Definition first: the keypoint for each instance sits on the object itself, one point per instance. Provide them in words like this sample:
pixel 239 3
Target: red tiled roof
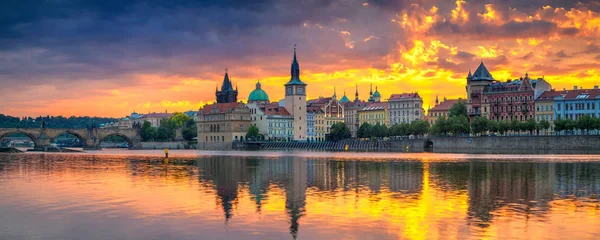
pixel 404 96
pixel 319 102
pixel 444 106
pixel 549 95
pixel 223 107
pixel 313 109
pixel 570 94
pixel 274 109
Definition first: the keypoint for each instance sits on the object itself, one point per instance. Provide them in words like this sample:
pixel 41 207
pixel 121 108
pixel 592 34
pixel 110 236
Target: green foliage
pixel 340 131
pixel 179 119
pixel 364 131
pixel 148 132
pixel 380 130
pixel 402 129
pixel 189 130
pixel 458 109
pixel 166 130
pixel 53 121
pixel 459 124
pixel 253 132
pixel 480 125
pixel 543 125
pixel 441 126
pixel 419 127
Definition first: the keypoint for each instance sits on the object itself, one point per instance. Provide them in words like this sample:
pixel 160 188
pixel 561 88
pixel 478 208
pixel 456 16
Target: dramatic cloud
pixel 112 57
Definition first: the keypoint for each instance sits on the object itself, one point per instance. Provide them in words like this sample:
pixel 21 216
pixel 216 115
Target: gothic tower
pixel 227 94
pixel 295 100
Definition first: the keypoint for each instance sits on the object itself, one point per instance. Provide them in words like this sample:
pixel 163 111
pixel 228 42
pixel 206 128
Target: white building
pixel 405 108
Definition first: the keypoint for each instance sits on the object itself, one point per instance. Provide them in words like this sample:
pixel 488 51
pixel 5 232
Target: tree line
pixel 53 121
pixel 167 130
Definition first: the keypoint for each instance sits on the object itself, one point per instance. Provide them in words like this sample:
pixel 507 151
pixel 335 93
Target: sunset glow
pixel 157 58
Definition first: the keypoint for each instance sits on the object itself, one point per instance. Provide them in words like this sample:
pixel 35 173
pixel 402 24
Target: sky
pixel 112 57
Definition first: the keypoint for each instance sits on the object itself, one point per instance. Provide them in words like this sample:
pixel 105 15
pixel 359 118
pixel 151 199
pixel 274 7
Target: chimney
pixel 595 87
pixel 574 87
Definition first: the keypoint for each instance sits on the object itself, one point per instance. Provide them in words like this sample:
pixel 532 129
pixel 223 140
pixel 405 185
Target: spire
pixel 437 101
pixel 356 94
pixel 295 72
pixel 334 94
pixel 227 86
pixel 371 90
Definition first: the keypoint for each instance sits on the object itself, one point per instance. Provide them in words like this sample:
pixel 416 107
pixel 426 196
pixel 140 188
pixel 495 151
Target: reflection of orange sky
pixel 169 194
pixel 421 61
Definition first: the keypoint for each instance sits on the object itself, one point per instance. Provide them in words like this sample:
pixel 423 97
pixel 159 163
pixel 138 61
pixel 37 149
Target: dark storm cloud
pixel 527 56
pixel 562 54
pixel 78 40
pixel 462 55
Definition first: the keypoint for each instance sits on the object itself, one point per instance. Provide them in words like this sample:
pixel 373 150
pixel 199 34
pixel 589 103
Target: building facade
pixel 544 109
pixel 374 113
pixel 405 108
pixel 280 123
pixel 227 94
pixel 476 83
pixel 313 117
pixel 154 118
pixel 295 101
pixel 507 101
pixel 220 124
pixel 573 104
pixel 441 109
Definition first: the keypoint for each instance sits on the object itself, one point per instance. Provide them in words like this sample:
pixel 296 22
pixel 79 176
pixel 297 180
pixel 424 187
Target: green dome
pixel 258 94
pixel 376 94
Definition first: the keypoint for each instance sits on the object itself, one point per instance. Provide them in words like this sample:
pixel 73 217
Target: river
pixel 122 194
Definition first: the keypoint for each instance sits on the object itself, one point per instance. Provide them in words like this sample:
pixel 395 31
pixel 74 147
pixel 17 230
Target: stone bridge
pixel 90 137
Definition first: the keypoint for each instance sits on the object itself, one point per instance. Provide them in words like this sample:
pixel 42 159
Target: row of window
pixel 577 106
pixel 506 118
pixel 404 113
pixel 372 116
pixel 577 115
pixel 510 99
pixel 215 139
pixel 403 105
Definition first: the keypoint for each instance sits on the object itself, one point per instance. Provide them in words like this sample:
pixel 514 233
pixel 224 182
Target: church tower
pixel 295 101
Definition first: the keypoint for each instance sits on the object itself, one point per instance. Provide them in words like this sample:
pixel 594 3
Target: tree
pixel 253 132
pixel 530 125
pixel 189 130
pixel 441 126
pixel 458 109
pixel 503 127
pixel 515 125
pixel 459 124
pixel 479 125
pixel 365 131
pixel 148 132
pixel 339 131
pixel 179 119
pixel 585 123
pixel 419 127
pixel 379 130
pixel 544 125
pixel 166 130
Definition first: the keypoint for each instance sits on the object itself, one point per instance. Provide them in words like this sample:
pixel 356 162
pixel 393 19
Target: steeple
pixel 371 90
pixel 227 86
pixel 295 72
pixel 334 94
pixel 356 94
pixel 437 101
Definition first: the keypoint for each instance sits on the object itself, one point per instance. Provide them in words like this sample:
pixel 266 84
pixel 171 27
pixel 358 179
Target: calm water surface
pixel 273 195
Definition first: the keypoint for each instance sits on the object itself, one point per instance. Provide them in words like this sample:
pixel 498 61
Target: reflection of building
pixel 220 124
pixel 374 113
pixel 295 101
pixel 405 108
pixel 295 192
pixel 227 94
pixel 441 109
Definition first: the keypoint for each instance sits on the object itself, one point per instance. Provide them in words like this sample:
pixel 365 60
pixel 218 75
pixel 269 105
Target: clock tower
pixel 295 101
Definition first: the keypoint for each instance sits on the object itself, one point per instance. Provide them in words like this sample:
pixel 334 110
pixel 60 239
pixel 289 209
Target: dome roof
pixel 258 94
pixel 376 93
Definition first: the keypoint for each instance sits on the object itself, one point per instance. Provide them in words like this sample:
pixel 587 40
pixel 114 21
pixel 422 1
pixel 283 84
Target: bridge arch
pixel 82 139
pixel 18 131
pixel 128 139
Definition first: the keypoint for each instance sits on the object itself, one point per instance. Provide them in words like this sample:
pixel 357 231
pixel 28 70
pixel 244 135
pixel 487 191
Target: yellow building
pixel 320 126
pixel 544 109
pixel 374 113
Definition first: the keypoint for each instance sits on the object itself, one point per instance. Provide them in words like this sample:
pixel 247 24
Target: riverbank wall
pixel 167 145
pixel 514 143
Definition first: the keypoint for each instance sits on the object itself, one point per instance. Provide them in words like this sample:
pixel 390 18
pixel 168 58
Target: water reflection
pixel 274 197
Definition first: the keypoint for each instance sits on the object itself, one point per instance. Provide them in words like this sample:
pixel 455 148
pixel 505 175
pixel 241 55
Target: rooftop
pixel 444 106
pixel 375 106
pixel 221 107
pixel 156 115
pixel 404 96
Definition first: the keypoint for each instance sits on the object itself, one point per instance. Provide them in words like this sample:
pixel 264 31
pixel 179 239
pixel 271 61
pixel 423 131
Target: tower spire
pixel 437 101
pixel 371 90
pixel 334 94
